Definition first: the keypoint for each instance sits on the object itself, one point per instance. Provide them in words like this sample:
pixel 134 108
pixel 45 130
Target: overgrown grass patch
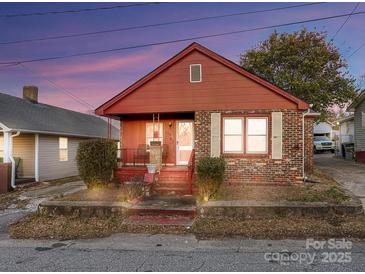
pixel 111 193
pixel 41 227
pixel 324 190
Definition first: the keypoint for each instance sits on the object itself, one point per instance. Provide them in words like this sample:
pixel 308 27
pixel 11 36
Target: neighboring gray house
pixel 42 139
pixel 346 134
pixel 358 108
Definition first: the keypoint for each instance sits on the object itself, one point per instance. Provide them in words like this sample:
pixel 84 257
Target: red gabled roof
pixel 192 47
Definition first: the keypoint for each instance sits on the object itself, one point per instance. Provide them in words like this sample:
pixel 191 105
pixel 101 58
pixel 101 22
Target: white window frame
pixel 160 138
pixel 242 135
pixel 190 74
pixel 267 136
pixel 60 149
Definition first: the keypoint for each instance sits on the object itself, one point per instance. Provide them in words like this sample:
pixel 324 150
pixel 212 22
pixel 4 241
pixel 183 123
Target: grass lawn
pixel 39 227
pixel 110 192
pixel 326 190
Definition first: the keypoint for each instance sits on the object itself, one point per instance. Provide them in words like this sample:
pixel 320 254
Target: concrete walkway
pixel 33 198
pixel 348 173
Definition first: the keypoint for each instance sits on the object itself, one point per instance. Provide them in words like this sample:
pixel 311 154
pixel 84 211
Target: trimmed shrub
pixel 210 171
pixel 96 160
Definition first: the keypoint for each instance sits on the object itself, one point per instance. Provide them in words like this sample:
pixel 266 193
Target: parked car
pixel 323 143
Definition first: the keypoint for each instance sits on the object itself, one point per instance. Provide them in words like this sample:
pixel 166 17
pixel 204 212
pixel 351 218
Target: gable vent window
pixel 195 73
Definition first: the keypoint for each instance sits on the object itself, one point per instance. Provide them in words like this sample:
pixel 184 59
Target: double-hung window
pixel 63 149
pixel 256 141
pixel 154 132
pixel 245 135
pixel 233 135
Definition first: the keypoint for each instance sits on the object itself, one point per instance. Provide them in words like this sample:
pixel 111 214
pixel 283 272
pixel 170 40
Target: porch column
pixel 36 157
pixel 7 147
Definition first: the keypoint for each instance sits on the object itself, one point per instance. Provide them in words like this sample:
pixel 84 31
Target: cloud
pixel 102 64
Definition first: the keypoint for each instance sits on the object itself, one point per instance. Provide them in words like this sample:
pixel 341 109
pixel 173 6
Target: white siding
pixel 50 167
pixel 359 130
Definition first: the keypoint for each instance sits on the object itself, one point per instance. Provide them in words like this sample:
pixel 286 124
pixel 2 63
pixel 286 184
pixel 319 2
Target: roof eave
pixel 57 133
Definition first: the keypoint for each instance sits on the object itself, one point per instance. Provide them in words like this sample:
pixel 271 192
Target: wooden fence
pixel 5 177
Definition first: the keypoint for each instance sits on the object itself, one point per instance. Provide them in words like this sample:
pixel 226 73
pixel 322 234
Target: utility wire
pixel 74 10
pixel 154 25
pixel 176 41
pixel 73 96
pixel 344 23
pixel 356 50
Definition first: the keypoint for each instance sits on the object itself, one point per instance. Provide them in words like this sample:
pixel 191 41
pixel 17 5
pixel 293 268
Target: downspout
pixel 303 143
pixel 12 159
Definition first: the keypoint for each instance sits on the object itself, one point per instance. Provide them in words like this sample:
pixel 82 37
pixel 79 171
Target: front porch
pixel 163 139
pixel 20 149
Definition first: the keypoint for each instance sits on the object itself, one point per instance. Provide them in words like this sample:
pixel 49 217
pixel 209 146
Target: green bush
pixel 96 160
pixel 210 171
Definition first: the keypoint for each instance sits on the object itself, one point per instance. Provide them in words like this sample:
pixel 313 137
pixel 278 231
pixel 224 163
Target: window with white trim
pixel 253 141
pixel 233 135
pixel 256 141
pixel 63 149
pixel 195 73
pixel 154 132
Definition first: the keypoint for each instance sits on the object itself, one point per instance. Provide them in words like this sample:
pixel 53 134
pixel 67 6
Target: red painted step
pixel 163 209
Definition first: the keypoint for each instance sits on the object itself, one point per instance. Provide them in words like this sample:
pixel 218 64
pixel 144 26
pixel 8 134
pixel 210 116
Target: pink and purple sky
pixel 97 78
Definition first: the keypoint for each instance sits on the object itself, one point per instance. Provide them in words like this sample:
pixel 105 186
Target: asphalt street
pixel 131 252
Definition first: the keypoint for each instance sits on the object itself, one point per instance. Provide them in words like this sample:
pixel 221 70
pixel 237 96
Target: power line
pixel 74 10
pixel 356 50
pixel 154 25
pixel 176 41
pixel 75 97
pixel 344 23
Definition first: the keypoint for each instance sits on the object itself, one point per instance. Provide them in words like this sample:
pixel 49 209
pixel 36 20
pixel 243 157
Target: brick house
pixel 200 104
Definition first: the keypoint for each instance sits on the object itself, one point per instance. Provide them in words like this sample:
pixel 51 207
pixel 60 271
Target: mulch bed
pixel 40 227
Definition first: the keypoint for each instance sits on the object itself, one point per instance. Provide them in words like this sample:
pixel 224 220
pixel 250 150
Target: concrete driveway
pixel 348 173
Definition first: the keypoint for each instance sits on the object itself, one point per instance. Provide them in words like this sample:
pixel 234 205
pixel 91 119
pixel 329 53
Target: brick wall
pixel 308 142
pixel 260 169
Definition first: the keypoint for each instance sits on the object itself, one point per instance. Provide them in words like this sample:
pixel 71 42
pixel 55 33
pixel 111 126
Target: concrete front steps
pixel 172 181
pixel 163 210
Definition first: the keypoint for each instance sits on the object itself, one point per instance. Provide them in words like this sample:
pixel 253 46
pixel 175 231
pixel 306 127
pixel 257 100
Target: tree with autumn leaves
pixel 306 65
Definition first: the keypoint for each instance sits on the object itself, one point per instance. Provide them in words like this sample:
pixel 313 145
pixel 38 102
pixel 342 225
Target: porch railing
pixel 133 157
pixel 191 169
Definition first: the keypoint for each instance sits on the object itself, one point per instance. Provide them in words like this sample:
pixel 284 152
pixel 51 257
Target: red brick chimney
pixel 30 93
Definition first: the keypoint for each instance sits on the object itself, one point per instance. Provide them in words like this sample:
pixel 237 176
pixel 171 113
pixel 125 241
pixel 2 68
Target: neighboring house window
pixel 363 119
pixel 195 73
pixel 63 149
pixel 254 142
pixel 154 132
pixel 233 135
pixel 256 135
